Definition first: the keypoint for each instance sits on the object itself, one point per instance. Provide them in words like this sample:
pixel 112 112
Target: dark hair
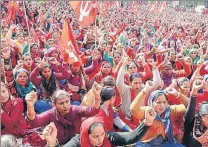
pixel 58 93
pixel 181 80
pixel 106 62
pixel 21 33
pixel 92 127
pixel 51 84
pixel 8 141
pixel 116 52
pixel 134 75
pixel 26 54
pixel 107 93
pixel 109 81
pixel 159 94
pixel 127 66
pixel 33 44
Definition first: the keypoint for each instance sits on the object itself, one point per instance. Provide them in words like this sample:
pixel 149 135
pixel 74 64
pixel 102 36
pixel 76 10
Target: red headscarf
pixel 84 139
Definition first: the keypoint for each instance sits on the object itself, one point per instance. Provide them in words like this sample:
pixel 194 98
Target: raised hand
pixel 171 91
pixel 31 98
pixel 148 86
pixel 94 55
pixel 150 116
pixel 125 60
pixel 54 61
pixel 5 52
pixel 198 84
pixel 97 90
pixel 43 63
pixel 50 134
pixel 167 59
pixel 19 64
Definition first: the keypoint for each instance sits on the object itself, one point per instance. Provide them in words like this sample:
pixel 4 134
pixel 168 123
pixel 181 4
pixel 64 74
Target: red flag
pixel 163 6
pixel 13 6
pixel 68 46
pixel 154 6
pixel 85 12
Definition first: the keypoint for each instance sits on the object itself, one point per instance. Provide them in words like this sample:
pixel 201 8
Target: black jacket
pixel 188 139
pixel 116 138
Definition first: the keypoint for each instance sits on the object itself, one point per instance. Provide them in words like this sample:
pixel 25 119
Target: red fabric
pixel 186 73
pixel 108 120
pixel 203 71
pixel 158 59
pixel 68 51
pixel 79 37
pixel 84 58
pixel 200 98
pixel 33 139
pixel 88 14
pixel 91 75
pixel 99 76
pixel 133 95
pixel 13 6
pixel 84 136
pixel 12 118
pixel 130 52
pixel 118 98
pixel 173 101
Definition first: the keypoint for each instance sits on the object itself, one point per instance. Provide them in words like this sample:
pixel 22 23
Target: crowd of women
pixel 142 80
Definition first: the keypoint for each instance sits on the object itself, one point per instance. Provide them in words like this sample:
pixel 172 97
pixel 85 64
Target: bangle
pixel 178 95
pixel 56 145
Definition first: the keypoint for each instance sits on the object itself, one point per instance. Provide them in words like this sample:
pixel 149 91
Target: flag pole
pixel 96 31
pixel 26 18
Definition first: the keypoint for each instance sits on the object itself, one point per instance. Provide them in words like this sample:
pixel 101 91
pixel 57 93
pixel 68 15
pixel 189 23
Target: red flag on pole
pixel 68 46
pixel 13 6
pixel 85 12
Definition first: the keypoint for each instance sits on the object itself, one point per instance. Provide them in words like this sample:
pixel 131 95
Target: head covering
pixel 76 64
pixel 165 77
pixel 167 119
pixel 28 87
pixel 107 93
pixel 54 50
pixel 84 136
pixel 105 62
pixel 197 58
